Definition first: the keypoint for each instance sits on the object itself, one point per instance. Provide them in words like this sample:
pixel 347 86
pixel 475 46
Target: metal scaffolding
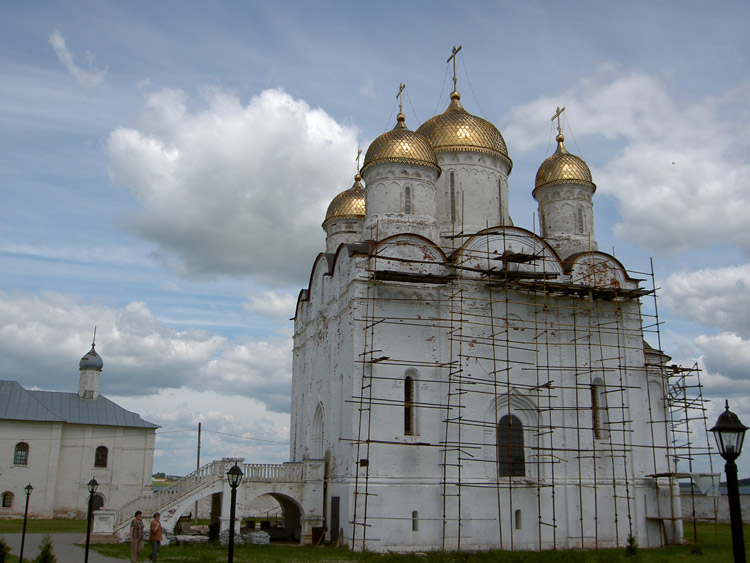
pixel 574 352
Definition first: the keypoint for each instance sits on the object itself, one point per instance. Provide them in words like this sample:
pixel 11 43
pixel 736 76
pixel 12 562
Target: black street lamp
pixel 92 486
pixel 234 476
pixel 27 489
pixel 730 433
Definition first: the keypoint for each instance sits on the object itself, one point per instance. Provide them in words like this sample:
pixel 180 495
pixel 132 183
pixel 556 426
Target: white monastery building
pixel 470 384
pixel 58 442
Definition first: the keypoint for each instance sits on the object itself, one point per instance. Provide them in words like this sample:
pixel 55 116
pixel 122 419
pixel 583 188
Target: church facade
pixel 471 384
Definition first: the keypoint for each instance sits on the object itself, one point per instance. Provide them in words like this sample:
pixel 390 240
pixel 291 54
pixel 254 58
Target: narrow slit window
pixel 599 415
pixel 500 200
pixel 408 406
pixel 415 521
pixel 518 519
pixel 407 200
pixel 579 219
pixel 452 180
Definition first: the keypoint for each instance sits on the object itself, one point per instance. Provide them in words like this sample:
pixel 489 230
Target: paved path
pixel 63 546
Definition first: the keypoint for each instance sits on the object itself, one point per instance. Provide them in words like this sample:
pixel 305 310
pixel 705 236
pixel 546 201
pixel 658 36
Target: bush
pixel 4 550
pixel 631 550
pixel 45 552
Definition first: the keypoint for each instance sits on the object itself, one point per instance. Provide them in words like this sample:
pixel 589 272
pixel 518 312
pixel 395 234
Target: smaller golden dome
pixel 563 168
pixel 401 145
pixel 457 130
pixel 349 204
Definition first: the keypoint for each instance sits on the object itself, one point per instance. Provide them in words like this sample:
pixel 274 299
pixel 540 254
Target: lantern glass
pixel 28 488
pixel 92 486
pixel 729 433
pixel 729 442
pixel 235 476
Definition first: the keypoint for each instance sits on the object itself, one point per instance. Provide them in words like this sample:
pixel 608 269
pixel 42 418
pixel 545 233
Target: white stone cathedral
pixel 471 384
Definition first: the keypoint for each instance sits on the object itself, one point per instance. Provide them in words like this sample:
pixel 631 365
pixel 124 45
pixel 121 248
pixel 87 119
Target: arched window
pixel 542 230
pixel 21 455
pixel 414 521
pixel 500 199
pixel 100 458
pixel 510 455
pixel 579 219
pixel 599 414
pixel 7 499
pixel 408 405
pixel 316 441
pixel 518 519
pixel 407 199
pixel 452 181
pixel 97 502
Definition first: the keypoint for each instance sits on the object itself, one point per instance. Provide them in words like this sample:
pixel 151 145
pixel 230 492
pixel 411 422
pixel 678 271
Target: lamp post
pixel 27 489
pixel 92 486
pixel 234 476
pixel 729 433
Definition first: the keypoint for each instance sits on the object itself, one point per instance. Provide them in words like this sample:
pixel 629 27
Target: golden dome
pixel 349 204
pixel 457 130
pixel 401 145
pixel 563 168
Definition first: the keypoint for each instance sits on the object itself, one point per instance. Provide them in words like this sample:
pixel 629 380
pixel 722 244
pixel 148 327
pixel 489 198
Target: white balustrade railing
pixel 285 472
pixel 156 501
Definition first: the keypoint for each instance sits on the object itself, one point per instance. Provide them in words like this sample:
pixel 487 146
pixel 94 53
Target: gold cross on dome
pixel 557 115
pixel 400 97
pixel 454 52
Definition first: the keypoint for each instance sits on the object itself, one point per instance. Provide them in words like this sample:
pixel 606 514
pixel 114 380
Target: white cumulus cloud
pixel 715 297
pixel 272 304
pixel 726 354
pixel 235 189
pixel 235 426
pixel 718 299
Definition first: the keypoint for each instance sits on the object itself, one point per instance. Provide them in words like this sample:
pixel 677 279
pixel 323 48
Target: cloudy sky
pixel 165 167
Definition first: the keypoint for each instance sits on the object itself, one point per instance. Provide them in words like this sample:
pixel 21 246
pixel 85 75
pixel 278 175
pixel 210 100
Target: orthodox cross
pixel 359 153
pixel 557 115
pixel 454 52
pixel 400 97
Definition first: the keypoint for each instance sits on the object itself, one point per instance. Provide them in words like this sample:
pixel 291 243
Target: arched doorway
pixel 279 515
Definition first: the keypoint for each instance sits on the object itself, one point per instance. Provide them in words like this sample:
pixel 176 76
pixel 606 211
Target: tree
pixel 45 552
pixel 4 550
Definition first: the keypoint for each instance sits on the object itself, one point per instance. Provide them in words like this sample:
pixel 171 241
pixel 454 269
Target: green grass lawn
pixel 706 550
pixel 57 526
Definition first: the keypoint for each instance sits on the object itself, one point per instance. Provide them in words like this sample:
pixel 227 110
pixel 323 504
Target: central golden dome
pixel 349 204
pixel 563 168
pixel 457 130
pixel 401 145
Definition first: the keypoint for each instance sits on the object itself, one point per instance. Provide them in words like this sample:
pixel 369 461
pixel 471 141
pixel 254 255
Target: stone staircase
pixel 172 501
pixel 166 500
